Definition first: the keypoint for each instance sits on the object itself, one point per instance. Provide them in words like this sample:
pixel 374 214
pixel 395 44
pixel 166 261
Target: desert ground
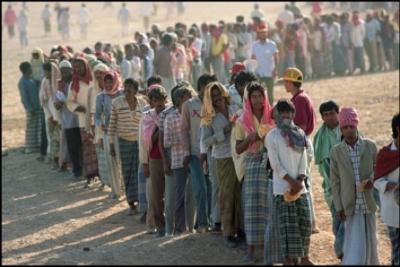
pixel 50 219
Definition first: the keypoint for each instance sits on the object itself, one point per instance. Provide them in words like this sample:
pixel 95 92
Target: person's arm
pixel 335 183
pixel 186 124
pixel 273 155
pixel 23 90
pixel 99 110
pixel 71 103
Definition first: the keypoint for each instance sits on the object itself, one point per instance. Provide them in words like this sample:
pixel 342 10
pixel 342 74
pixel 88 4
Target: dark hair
pixel 166 39
pixel 285 105
pixel 97 44
pixel 155 79
pixel 108 76
pixel 132 82
pixel 244 77
pixel 87 50
pixel 395 123
pixel 25 66
pixel 205 79
pixel 178 93
pixel 297 85
pixel 255 86
pixel 47 66
pixel 328 106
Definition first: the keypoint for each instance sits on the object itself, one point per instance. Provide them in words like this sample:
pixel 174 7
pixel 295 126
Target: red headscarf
pixel 117 83
pixel 87 78
pixel 386 162
pixel 246 118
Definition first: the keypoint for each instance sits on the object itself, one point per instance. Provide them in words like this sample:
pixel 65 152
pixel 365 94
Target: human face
pixel 99 75
pixel 35 55
pixel 108 84
pixel 66 74
pixel 217 99
pixel 129 53
pixel 257 100
pixel 262 35
pixel 330 118
pixel 158 104
pixel 130 89
pixel 79 66
pixel 349 133
pixel 289 86
pixel 184 98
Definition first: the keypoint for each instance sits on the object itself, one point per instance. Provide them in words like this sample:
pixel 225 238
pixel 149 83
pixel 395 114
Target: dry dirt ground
pixel 49 219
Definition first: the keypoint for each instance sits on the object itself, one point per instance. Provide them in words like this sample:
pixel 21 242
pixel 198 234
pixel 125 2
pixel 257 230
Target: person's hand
pixel 296 186
pixel 112 150
pixel 228 128
pixel 167 167
pixel 340 215
pixel 186 162
pixel 390 186
pixel 146 170
pixel 368 185
pixel 253 137
pixel 103 127
pixel 80 109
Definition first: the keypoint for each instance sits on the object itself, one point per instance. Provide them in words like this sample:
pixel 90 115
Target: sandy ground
pixel 49 219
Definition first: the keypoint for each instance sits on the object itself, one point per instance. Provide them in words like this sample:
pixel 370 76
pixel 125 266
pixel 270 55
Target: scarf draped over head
pixel 294 135
pixel 348 116
pixel 246 118
pixel 87 78
pixel 207 109
pixel 37 64
pixel 50 87
pixel 61 85
pixel 156 91
pixel 386 161
pixel 102 68
pixel 117 83
pixel 148 125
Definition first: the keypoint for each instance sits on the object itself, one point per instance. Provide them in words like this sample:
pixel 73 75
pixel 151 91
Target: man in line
pixel 351 171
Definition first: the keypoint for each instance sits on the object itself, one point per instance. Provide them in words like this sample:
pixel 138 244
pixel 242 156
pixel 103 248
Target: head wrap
pixel 294 135
pixel 348 117
pixel 207 110
pixel 87 78
pixel 117 83
pixel 246 118
pixel 37 64
pixel 65 64
pixel 103 68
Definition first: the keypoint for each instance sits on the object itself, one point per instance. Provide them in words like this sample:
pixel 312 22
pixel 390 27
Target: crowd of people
pixel 184 124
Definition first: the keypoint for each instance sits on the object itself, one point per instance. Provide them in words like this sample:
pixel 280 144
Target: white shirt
pixel 83 15
pixel 389 208
pixel 286 17
pixel 284 160
pixel 124 15
pixel 358 34
pixel 126 69
pixel 46 14
pixel 264 54
pixel 136 66
pixel 258 13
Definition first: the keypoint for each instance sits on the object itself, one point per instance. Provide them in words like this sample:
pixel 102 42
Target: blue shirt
pixel 371 29
pixel 103 109
pixel 29 93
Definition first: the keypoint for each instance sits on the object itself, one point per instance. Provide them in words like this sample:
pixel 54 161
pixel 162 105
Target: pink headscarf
pixel 148 125
pixel 117 83
pixel 348 117
pixel 246 118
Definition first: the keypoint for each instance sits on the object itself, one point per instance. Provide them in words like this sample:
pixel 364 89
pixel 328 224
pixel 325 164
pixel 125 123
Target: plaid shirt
pixel 173 136
pixel 361 203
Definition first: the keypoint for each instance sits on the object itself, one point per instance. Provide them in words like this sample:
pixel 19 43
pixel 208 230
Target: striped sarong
pixel 295 226
pixel 64 156
pixel 54 132
pixel 130 161
pixel 104 174
pixel 33 131
pixel 272 240
pixel 114 166
pixel 255 187
pixel 90 165
pixel 394 234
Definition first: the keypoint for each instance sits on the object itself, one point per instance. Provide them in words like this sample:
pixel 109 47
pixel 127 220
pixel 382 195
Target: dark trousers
pixel 43 136
pixel 74 145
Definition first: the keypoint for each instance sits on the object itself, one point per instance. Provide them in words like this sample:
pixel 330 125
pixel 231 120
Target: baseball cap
pixel 237 67
pixel 293 75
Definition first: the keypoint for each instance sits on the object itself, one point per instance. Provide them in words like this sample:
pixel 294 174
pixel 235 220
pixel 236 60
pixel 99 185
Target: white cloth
pixel 264 54
pixel 46 14
pixel 360 244
pixel 284 160
pixel 358 34
pixel 124 15
pixel 257 13
pixel 389 207
pixel 126 69
pixel 84 15
pixel 86 98
pixel 286 17
pixel 22 21
pixel 136 66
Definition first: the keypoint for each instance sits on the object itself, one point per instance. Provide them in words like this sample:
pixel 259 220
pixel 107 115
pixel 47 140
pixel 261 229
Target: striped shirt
pixel 173 136
pixel 361 203
pixel 124 122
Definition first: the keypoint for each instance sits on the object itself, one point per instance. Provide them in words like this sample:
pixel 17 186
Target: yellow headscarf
pixel 37 72
pixel 207 109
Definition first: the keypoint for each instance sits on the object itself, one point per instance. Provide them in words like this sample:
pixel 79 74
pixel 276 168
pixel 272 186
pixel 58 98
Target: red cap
pixel 262 28
pixel 237 67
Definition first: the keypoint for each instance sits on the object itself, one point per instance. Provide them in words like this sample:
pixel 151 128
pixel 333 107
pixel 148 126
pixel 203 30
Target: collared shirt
pixel 358 34
pixel 371 29
pixel 354 154
pixel 191 117
pixel 214 136
pixel 103 109
pixel 389 208
pixel 264 53
pixel 284 160
pixel 173 136
pixel 123 121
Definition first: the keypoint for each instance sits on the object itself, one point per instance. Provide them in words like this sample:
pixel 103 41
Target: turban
pixel 348 117
pixel 65 64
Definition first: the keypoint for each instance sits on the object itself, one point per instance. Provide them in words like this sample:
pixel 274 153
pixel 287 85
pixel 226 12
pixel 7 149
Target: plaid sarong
pixel 255 187
pixel 272 240
pixel 104 174
pixel 295 226
pixel 55 136
pixel 394 234
pixel 33 131
pixel 130 161
pixel 90 166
